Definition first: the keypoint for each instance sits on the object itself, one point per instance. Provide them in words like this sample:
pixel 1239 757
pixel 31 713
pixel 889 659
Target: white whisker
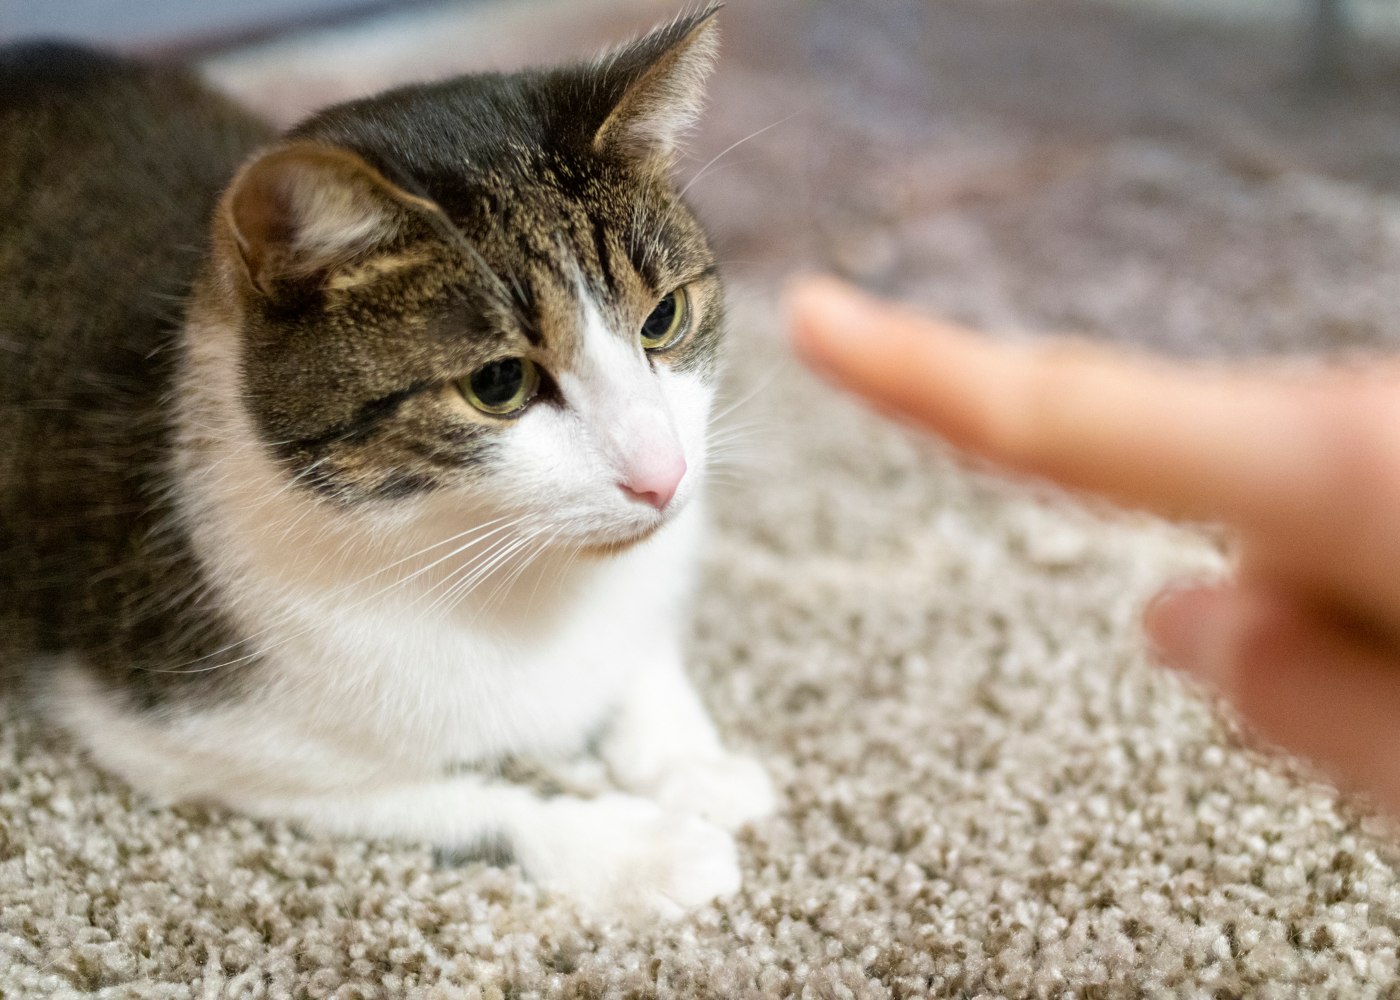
pixel 734 146
pixel 480 535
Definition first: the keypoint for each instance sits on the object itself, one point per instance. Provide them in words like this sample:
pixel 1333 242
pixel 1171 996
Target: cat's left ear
pixel 302 210
pixel 660 82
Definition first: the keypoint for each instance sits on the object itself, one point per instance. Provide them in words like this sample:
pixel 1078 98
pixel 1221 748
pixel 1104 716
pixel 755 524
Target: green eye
pixel 667 322
pixel 503 386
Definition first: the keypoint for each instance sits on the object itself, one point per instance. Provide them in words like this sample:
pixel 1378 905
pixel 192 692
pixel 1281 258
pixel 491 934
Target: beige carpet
pixel 987 790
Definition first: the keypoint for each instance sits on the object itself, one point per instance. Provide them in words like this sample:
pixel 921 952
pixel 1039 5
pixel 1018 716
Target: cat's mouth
pixel 603 550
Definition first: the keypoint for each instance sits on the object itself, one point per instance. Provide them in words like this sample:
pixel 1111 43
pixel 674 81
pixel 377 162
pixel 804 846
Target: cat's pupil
pixel 496 384
pixel 658 324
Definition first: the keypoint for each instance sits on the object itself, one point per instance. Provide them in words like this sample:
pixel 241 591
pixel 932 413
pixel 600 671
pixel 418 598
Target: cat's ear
pixel 302 210
pixel 660 82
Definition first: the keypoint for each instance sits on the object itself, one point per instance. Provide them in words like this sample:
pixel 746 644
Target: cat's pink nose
pixel 655 481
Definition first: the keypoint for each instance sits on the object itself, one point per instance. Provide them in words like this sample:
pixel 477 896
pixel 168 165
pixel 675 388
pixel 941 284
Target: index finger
pixel 1182 442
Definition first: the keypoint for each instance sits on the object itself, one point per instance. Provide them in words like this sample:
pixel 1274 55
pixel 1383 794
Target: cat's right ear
pixel 298 212
pixel 656 86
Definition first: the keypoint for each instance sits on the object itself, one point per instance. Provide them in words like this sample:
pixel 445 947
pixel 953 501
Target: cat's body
pixel 108 178
pixel 400 494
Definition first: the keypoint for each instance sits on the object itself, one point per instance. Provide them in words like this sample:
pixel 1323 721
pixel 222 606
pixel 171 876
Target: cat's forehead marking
pixel 563 286
pixel 558 222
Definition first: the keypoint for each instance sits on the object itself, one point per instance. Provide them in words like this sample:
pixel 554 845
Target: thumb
pixel 1319 687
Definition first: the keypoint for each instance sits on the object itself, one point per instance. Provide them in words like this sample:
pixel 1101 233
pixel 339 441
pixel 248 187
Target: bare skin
pixel 1303 464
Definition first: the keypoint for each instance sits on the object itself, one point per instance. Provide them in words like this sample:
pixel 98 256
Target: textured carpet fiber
pixel 987 790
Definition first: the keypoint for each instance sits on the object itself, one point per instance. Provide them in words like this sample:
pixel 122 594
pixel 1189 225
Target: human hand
pixel 1304 464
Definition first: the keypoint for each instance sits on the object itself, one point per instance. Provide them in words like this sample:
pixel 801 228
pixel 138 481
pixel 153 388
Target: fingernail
pixel 1190 628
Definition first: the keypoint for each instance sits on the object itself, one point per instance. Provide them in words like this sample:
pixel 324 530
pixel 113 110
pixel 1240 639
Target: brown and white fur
pixel 267 554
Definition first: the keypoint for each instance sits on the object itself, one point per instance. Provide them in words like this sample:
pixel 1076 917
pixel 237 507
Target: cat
pixel 343 467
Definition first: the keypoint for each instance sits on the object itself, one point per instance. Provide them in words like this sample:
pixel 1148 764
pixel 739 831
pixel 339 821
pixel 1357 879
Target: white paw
pixel 728 790
pixel 622 855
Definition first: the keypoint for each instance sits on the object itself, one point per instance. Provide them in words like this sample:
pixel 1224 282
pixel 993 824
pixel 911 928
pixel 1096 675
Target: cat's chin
pixel 611 547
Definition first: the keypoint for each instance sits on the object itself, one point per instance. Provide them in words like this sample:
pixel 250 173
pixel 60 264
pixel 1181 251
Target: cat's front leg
pixel 662 744
pixel 614 854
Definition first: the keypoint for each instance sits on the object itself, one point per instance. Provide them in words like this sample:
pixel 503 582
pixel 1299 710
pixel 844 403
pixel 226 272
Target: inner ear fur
pixel 301 210
pixel 662 80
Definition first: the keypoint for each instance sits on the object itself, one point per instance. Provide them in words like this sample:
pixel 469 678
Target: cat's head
pixel 486 292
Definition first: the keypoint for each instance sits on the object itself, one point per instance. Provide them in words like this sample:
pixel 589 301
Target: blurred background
pixel 1210 177
pixel 987 790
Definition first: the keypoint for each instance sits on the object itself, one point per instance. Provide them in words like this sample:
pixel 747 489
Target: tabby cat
pixel 340 468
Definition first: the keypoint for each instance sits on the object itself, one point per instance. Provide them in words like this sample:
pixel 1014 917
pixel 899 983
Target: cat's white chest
pixel 539 679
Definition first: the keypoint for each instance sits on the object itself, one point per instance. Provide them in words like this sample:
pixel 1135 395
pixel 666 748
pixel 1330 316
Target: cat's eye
pixel 667 322
pixel 502 387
